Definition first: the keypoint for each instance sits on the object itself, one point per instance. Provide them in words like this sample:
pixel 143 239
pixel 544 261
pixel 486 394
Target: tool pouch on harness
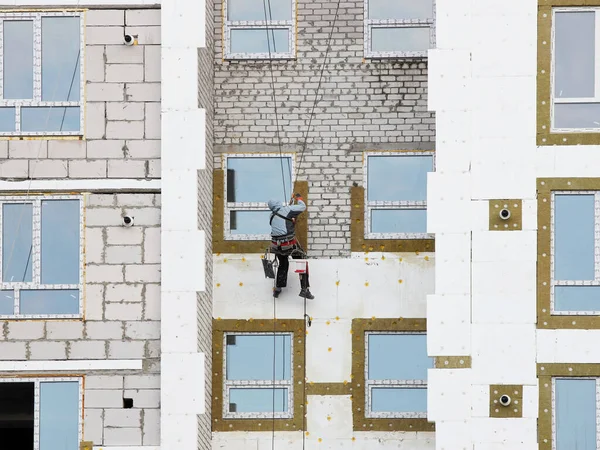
pixel 268 265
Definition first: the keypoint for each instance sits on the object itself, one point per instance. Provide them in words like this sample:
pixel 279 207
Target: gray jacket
pixel 283 224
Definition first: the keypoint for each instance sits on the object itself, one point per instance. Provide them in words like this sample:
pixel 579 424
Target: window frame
pixel 16 287
pixel 392 205
pixel 554 283
pixel 290 25
pixel 297 327
pixel 228 207
pixel 547 373
pixel 370 384
pixel 360 419
pixel 36 17
pixel 37 380
pixel 575 100
pixel 369 24
pixel 250 384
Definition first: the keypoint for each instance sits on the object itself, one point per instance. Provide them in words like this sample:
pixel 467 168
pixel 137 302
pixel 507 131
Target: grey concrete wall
pixel 206 101
pixel 122 108
pixel 365 105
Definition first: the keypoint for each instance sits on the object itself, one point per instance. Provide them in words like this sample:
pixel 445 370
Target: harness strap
pixel 279 215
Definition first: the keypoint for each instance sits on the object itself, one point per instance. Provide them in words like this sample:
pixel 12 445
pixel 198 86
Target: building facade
pixel 85 359
pixel 512 206
pixel 328 107
pixel 446 155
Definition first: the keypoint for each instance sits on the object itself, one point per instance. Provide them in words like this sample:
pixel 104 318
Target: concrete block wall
pixel 107 423
pixel 122 92
pixel 122 322
pixel 364 105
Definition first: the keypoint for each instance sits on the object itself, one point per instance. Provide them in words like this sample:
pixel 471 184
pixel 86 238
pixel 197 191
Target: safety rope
pixel 307 320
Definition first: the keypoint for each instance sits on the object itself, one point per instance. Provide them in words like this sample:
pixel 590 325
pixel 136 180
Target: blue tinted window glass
pixel 59 415
pixel 577 298
pixel 17 50
pixel 574 237
pixel 60 58
pixel 255 400
pixel 60 242
pixel 250 222
pixel 400 9
pixel 7 120
pixel 577 115
pixel 574 54
pixel 42 118
pixel 17 241
pixel 400 39
pixel 7 302
pixel 255 10
pixel 399 399
pixel 399 221
pixel 258 179
pixel 398 357
pixel 396 178
pixel 255 40
pixel 49 302
pixel 251 357
pixel 575 412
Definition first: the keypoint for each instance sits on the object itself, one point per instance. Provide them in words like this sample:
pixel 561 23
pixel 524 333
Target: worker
pixel 284 243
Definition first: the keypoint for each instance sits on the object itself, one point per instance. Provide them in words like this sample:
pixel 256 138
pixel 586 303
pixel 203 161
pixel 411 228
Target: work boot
pixel 305 293
pixel 276 292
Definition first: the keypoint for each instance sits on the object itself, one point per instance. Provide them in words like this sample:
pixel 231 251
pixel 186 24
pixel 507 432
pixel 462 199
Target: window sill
pixel 45 137
pixel 361 243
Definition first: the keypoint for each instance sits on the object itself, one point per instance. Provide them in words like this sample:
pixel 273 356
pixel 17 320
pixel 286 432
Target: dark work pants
pixel 283 254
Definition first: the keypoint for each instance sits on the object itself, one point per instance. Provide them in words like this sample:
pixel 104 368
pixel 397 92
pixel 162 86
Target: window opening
pixel 398 28
pixel 575 70
pixel 254 388
pixel 39 413
pixel 575 253
pixel 41 73
pixel 575 412
pixel 396 195
pixel 252 28
pixel 396 387
pixel 41 257
pixel 250 182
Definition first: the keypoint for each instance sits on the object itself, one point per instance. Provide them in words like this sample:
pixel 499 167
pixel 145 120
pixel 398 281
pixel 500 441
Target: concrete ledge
pixel 129 447
pixel 74 365
pixel 93 185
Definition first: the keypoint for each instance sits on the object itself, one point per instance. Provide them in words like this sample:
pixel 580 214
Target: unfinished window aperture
pixel 396 387
pixel 575 258
pixel 41 89
pixel 250 182
pixel 258 375
pixel 398 28
pixel 396 195
pixel 575 413
pixel 576 82
pixel 41 244
pixel 258 29
pixel 40 414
